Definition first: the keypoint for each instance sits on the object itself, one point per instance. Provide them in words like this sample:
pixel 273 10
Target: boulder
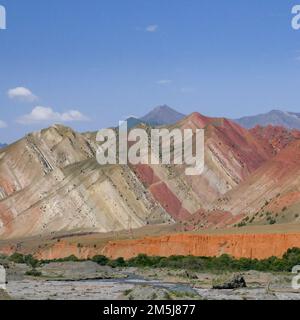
pixel 236 282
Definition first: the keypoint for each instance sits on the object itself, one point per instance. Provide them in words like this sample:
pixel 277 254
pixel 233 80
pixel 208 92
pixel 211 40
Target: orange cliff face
pixel 259 246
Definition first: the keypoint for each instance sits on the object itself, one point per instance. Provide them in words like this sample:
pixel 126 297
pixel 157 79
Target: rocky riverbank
pixel 90 281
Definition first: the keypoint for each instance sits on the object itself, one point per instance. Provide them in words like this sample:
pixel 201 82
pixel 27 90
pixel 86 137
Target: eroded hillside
pixel 50 182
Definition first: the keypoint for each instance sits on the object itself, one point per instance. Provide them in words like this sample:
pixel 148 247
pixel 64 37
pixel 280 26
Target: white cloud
pixel 152 28
pixel 2 124
pixel 43 114
pixel 164 81
pixel 21 93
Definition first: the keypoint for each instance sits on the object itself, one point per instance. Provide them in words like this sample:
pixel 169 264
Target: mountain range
pixel 289 120
pixel 59 188
pixel 164 115
pixel 3 145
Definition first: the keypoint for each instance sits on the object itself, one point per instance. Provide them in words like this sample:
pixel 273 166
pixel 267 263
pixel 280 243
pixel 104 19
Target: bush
pixel 241 224
pixel 71 258
pixel 224 262
pixel 17 258
pixel 33 273
pixel 291 258
pixel 31 261
pixel 142 260
pixel 102 260
pixel 193 263
pixel 127 292
pixel 28 259
pixel 119 262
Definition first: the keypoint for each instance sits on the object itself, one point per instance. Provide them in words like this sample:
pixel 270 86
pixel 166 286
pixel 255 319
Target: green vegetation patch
pixel 224 262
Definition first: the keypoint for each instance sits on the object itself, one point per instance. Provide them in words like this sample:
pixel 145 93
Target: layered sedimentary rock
pixel 50 182
pixel 274 138
pixel 247 245
pixel 257 246
pixel 273 188
pixel 231 155
pixel 38 154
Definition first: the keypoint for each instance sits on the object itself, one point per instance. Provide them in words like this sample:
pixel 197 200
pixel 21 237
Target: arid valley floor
pixel 56 201
pixel 87 280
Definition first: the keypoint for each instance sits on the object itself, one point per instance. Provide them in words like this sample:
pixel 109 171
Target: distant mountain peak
pixel 163 107
pixel 162 115
pixel 275 117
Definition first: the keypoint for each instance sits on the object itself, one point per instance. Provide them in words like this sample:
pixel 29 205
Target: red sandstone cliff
pixel 248 245
pixel 237 245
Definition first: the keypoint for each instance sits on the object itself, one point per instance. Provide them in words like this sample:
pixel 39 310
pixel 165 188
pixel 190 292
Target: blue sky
pixel 108 59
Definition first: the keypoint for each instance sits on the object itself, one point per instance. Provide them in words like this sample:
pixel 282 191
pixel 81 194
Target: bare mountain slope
pixel 272 192
pixel 50 183
pixel 38 154
pixel 231 155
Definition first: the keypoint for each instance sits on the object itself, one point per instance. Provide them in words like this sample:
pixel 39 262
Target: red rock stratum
pixel 258 246
pixel 247 245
